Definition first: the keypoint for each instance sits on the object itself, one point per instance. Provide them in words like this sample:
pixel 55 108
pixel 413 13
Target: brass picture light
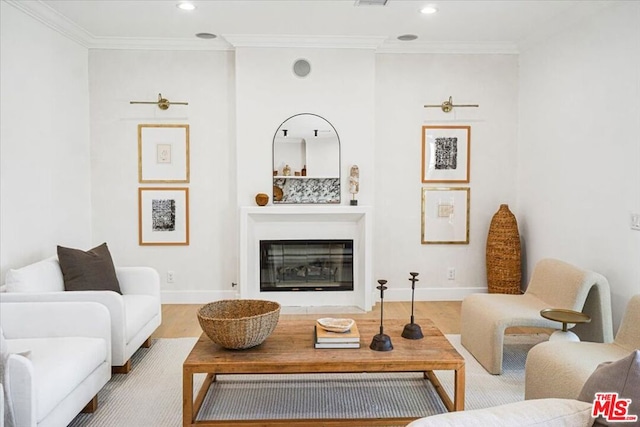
pixel 162 103
pixel 447 106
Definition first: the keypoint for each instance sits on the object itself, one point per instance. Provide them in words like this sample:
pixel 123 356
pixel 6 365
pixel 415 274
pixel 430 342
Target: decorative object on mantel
pixel 277 193
pixel 381 341
pixel 354 184
pixel 240 323
pixel 162 103
pixel 262 199
pixel 286 171
pixel 504 274
pixel 447 106
pixel 412 331
pixel 299 190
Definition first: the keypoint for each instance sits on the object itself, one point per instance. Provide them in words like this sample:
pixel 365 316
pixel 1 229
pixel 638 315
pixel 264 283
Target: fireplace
pixel 306 265
pixel 308 223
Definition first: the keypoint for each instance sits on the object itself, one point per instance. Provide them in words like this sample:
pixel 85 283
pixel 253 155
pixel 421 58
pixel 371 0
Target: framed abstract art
pixel 446 153
pixel 163 153
pixel 445 215
pixel 163 216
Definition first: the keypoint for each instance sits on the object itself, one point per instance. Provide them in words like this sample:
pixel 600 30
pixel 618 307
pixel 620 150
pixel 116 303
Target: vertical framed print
pixel 163 216
pixel 446 155
pixel 445 215
pixel 163 153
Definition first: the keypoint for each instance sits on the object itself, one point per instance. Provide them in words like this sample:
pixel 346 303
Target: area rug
pixel 151 394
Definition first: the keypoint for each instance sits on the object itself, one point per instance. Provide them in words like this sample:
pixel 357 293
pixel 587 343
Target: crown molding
pixel 379 44
pixel 128 43
pixel 58 22
pixel 52 19
pixel 295 41
pixel 504 48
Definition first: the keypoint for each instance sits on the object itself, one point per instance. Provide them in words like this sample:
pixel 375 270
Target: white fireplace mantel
pixel 307 222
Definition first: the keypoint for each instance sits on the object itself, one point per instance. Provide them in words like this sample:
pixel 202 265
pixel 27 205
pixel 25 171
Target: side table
pixel 564 316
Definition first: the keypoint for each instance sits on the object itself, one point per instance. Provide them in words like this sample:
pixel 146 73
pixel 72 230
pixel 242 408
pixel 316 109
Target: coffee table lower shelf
pixel 210 378
pixel 289 350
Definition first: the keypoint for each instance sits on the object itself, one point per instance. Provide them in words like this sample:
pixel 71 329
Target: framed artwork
pixel 445 215
pixel 446 155
pixel 163 153
pixel 163 216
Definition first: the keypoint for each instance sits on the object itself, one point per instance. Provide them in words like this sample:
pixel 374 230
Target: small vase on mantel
pixel 504 274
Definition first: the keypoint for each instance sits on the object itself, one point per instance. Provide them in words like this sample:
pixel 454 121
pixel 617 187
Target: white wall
pixel 339 88
pixel 566 126
pixel 404 84
pixel 205 268
pixel 44 142
pixel 579 156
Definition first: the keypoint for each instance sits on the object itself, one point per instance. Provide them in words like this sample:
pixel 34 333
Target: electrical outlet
pixel 170 276
pixel 451 273
pixel 635 221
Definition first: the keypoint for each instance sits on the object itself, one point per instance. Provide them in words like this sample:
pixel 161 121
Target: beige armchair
pixel 559 369
pixel 554 283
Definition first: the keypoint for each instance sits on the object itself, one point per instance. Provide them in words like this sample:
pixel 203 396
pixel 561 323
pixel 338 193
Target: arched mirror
pixel 306 161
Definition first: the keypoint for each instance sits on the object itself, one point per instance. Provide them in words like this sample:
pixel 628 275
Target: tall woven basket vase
pixel 504 275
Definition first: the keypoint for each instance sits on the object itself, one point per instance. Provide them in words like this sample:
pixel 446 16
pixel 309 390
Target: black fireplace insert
pixel 306 265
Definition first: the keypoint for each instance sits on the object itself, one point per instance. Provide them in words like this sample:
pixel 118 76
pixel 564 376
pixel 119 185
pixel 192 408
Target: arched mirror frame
pixel 332 184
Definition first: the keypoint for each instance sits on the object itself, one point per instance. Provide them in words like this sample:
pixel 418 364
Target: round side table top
pixel 565 316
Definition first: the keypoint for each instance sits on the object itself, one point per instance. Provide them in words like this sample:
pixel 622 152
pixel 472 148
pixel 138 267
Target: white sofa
pixel 68 346
pixel 542 412
pixel 135 314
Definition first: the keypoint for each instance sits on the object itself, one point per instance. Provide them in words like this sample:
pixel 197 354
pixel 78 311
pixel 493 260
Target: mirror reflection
pixel 309 143
pixel 306 161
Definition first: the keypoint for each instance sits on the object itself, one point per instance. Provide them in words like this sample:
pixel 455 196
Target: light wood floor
pixel 180 320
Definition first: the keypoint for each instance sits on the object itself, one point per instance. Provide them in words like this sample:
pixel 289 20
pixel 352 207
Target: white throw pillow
pixel 42 276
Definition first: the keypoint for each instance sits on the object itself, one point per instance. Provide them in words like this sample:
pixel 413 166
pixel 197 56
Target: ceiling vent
pixel 371 2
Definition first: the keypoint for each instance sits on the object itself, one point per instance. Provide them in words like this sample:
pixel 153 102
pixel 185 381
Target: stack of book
pixel 327 339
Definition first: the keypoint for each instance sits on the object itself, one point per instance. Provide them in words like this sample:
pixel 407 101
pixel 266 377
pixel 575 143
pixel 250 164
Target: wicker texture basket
pixel 504 274
pixel 239 324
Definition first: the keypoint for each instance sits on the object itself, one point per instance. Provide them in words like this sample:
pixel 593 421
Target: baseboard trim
pixel 195 297
pixel 430 294
pixel 424 294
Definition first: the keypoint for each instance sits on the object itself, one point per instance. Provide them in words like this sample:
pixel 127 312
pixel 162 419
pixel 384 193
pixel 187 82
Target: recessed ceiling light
pixel 186 6
pixel 428 10
pixel 206 36
pixel 407 37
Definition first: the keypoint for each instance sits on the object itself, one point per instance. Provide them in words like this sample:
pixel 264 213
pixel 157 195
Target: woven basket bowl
pixel 240 323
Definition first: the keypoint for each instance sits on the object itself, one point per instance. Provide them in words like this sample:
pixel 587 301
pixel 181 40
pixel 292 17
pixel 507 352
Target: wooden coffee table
pixel 290 350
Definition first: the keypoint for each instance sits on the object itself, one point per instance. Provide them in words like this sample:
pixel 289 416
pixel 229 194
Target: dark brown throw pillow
pixel 90 270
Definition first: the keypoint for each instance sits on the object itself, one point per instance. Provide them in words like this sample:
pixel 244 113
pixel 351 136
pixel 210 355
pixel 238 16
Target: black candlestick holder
pixel 381 341
pixel 412 331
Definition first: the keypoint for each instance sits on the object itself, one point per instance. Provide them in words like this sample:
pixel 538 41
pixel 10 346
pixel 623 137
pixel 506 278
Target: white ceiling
pixel 458 25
